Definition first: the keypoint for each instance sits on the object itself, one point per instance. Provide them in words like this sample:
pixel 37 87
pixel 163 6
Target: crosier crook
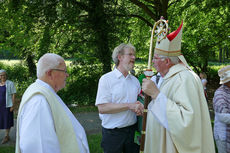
pixel 161 30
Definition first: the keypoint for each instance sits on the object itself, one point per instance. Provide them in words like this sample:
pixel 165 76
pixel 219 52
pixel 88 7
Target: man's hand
pixel 12 109
pixel 137 107
pixel 150 88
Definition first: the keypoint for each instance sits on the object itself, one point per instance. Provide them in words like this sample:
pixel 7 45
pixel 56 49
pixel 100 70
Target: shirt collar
pixel 158 74
pixel 44 84
pixel 119 74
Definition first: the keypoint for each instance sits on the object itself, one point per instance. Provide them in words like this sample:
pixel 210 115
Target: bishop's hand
pixel 150 88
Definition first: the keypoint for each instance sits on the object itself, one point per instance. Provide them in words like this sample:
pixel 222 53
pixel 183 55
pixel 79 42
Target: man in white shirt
pixel 45 124
pixel 117 103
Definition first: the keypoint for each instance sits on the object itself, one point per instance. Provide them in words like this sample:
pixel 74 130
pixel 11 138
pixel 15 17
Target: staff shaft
pixel 144 121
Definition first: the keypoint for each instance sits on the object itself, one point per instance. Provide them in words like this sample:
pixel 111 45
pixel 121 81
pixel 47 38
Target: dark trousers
pixel 119 140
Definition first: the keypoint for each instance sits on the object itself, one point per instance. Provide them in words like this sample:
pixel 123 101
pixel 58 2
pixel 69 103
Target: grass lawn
pixel 7 149
pixel 95 143
pixel 93 140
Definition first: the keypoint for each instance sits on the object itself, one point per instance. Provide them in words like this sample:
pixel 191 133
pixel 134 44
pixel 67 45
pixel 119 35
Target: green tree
pixel 206 26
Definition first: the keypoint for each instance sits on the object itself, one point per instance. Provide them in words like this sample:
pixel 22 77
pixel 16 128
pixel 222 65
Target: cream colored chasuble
pixel 63 126
pixel 189 127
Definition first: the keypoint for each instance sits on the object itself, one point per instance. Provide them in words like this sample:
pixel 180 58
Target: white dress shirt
pixel 36 126
pixel 113 87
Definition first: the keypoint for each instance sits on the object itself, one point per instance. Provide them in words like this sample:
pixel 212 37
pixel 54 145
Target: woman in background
pixel 7 99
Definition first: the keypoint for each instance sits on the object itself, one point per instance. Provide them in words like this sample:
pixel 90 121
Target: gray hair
pixel 174 59
pixel 120 50
pixel 46 62
pixel 1 71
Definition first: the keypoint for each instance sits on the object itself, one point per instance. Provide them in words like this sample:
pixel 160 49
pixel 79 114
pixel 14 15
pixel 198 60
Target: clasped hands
pixel 149 88
pixel 12 109
pixel 138 108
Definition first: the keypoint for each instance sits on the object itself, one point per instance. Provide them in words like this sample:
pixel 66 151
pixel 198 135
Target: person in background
pixel 45 124
pixel 221 105
pixel 157 79
pixel 133 72
pixel 204 81
pixel 7 101
pixel 117 103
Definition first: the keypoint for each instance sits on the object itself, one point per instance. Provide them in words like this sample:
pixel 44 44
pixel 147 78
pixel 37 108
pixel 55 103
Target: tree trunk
pixel 223 55
pixel 100 27
pixel 220 55
pixel 227 52
pixel 31 65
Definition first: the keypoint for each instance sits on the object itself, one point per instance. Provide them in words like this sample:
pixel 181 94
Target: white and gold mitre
pixel 171 44
pixel 168 45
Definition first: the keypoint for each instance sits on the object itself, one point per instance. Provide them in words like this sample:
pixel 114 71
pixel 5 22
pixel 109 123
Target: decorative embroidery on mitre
pixel 171 45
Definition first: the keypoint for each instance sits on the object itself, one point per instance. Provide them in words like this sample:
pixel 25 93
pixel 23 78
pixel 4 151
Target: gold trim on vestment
pixel 167 53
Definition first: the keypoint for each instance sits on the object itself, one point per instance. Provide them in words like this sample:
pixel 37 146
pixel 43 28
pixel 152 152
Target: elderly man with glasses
pixel 178 120
pixel 45 124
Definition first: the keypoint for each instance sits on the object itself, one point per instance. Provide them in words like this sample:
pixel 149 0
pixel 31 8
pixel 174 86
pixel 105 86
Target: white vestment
pixel 37 130
pixel 178 119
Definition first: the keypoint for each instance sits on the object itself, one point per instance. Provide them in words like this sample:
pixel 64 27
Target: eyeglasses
pixel 156 58
pixel 130 54
pixel 60 70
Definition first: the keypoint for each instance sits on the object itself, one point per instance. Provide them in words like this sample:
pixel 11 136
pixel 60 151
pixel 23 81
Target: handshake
pixel 137 107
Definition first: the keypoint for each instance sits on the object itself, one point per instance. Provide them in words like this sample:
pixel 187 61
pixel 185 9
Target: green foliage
pixel 81 87
pixel 16 72
pixel 82 83
pixel 19 74
pixel 22 85
pixel 205 31
pixel 93 28
pixel 68 28
pixel 89 30
pixel 213 68
pixel 6 54
pixel 213 72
